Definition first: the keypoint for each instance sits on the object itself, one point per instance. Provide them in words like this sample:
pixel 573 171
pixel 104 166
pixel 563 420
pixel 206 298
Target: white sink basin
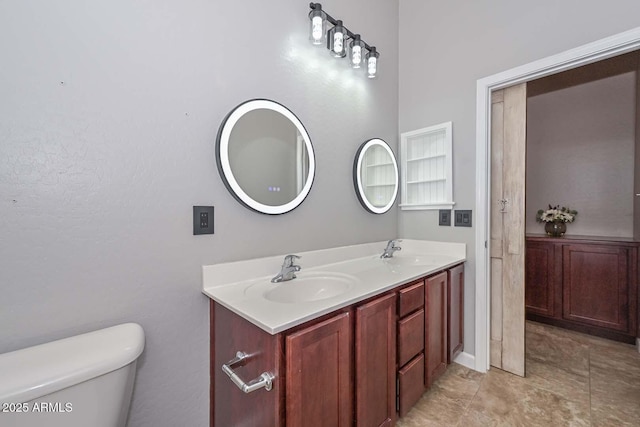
pixel 306 287
pixel 411 261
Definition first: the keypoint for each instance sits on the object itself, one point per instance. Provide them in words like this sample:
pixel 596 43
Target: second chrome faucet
pixel 391 248
pixel 288 270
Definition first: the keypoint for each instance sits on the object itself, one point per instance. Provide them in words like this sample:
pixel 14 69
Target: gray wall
pixel 108 117
pixel 445 47
pixel 580 154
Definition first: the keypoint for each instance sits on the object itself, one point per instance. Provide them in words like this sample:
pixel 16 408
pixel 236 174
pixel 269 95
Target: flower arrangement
pixel 556 214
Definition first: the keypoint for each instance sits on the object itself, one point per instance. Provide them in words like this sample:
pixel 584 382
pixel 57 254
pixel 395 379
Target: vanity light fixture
pixel 339 39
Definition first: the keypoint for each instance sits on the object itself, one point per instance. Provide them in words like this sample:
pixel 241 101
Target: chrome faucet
pixel 288 269
pixel 391 248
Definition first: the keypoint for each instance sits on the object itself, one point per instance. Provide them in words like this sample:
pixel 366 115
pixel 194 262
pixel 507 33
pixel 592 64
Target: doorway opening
pixel 606 48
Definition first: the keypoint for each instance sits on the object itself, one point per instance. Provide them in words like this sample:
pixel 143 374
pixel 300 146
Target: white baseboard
pixel 467 360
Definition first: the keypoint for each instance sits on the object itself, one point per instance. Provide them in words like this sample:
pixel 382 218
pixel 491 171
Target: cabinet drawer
pixel 410 336
pixel 411 384
pixel 410 299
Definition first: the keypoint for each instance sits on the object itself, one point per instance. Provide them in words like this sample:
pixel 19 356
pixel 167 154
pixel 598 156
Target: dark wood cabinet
pixel 435 327
pixel 410 336
pixel 375 362
pixel 596 285
pixel 318 374
pixel 361 365
pixel 586 284
pixel 541 278
pixel 228 403
pixel 455 312
pixel 410 384
pixel 411 321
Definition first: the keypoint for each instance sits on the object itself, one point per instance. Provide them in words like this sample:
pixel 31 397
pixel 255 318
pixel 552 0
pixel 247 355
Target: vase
pixel 555 229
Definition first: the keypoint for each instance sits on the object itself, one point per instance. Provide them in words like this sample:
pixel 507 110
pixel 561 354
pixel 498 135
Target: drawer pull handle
pixel 264 380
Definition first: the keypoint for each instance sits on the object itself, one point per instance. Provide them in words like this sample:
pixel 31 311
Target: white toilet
pixel 81 381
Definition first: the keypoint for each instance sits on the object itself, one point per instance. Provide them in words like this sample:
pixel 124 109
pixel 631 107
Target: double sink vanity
pixel 348 336
pixel 338 337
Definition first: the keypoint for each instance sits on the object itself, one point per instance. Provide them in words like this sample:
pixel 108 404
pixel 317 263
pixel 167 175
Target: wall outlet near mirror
pixel 202 220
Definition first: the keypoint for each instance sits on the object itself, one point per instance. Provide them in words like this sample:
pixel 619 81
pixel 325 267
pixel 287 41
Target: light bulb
pixel 371 67
pixel 372 62
pixel 317 29
pixel 356 51
pixel 338 42
pixel 317 24
pixel 356 56
pixel 337 36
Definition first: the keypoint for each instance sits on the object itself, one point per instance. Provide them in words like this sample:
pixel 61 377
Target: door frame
pixel 592 52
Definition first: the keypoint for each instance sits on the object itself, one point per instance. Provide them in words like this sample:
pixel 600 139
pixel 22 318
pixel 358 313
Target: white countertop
pixel 241 286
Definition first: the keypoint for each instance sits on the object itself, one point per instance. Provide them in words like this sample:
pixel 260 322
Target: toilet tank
pixel 84 380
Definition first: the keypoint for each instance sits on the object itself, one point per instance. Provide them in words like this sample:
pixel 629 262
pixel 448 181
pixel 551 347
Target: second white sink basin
pixel 308 286
pixel 421 261
pixel 424 261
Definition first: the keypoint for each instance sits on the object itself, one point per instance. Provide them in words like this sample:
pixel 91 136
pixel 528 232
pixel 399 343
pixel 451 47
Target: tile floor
pixel 572 380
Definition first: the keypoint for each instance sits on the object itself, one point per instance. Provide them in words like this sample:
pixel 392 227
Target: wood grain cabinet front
pixel 596 286
pixel 375 362
pixel 230 406
pixel 361 365
pixel 585 284
pixel 435 327
pixel 543 289
pixel 410 384
pixel 318 374
pixel 411 335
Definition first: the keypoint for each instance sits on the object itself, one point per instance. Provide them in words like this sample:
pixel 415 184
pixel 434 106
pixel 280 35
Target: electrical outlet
pixel 463 218
pixel 444 217
pixel 202 220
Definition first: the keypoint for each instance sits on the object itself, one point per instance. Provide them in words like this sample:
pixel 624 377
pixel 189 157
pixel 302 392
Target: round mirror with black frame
pixel 265 157
pixel 375 176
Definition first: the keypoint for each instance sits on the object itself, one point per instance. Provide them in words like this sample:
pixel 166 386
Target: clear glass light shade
pixel 338 37
pixel 355 56
pixel 372 63
pixel 318 27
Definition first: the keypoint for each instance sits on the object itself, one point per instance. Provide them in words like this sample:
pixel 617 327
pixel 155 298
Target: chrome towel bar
pixel 264 380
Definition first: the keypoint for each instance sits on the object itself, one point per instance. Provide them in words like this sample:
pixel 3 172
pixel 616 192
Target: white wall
pixel 108 118
pixel 445 47
pixel 580 154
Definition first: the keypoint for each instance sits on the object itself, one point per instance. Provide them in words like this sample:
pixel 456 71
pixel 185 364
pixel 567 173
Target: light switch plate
pixel 202 220
pixel 462 218
pixel 444 217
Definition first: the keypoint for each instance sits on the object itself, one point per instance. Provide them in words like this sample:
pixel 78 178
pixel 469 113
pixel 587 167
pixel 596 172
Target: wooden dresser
pixel 587 284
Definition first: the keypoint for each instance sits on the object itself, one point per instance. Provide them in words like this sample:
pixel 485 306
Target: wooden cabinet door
pixel 455 312
pixel 435 327
pixel 318 374
pixel 540 279
pixel 596 285
pixel 376 363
